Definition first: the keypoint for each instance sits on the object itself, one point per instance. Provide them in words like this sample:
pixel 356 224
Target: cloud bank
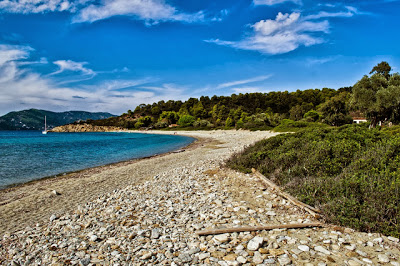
pixel 150 11
pixel 22 88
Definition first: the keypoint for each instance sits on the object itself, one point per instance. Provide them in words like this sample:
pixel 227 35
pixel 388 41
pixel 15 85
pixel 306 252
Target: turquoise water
pixel 30 155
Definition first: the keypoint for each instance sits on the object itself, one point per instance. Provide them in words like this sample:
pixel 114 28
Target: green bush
pixel 186 121
pixel 288 125
pixel 351 173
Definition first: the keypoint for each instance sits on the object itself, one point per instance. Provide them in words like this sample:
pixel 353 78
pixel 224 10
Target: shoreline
pixel 65 174
pixel 148 213
pixel 36 197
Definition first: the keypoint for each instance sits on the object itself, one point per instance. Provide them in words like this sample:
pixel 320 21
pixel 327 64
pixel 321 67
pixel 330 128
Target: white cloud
pixel 274 2
pixel 283 34
pixel 244 81
pixel 40 6
pixel 151 11
pixel 22 88
pixel 287 32
pixel 69 65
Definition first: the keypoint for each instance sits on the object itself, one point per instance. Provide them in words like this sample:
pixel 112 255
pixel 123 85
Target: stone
pixel 184 257
pixel 383 258
pixel 255 243
pixel 53 217
pixel 322 250
pixel 269 261
pixel 350 247
pixel 203 256
pixel 284 260
pixel 353 263
pixel 146 256
pixel 394 239
pixel 276 252
pixel 270 213
pixel 367 260
pixel 303 248
pixel 85 261
pixel 93 238
pixel 222 238
pixel 257 259
pixel 230 257
pixel 155 234
pixel 361 253
pixel 241 259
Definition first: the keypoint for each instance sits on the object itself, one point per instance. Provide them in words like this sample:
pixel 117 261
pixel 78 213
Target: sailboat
pixel 45 126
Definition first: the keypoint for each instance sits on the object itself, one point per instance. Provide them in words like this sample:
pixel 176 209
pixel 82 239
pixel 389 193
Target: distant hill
pixel 33 119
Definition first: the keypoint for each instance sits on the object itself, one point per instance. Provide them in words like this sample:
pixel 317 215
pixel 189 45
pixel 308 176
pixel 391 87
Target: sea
pixel 31 155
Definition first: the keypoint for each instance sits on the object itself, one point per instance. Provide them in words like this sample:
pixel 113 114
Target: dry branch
pixel 313 211
pixel 256 228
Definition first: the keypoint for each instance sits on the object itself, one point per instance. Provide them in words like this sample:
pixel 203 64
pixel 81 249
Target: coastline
pixel 148 212
pixel 91 169
pixel 21 196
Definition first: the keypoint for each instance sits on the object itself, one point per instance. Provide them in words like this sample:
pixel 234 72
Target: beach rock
pixel 255 243
pixel 284 260
pixel 322 250
pixel 222 238
pixel 303 248
pixel 383 258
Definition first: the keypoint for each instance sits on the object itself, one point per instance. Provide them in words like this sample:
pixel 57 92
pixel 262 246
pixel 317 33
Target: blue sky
pixel 111 55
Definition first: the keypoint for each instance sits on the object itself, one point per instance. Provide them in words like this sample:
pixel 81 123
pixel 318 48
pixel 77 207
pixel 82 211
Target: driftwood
pixel 256 228
pixel 311 210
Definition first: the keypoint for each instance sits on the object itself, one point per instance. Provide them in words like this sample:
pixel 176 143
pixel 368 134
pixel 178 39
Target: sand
pixel 34 202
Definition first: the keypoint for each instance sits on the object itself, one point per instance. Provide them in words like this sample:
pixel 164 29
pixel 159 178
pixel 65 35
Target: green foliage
pixel 378 96
pixel 229 123
pixel 335 111
pixel 312 116
pixel 186 121
pixel 288 125
pixel 171 117
pixel 351 173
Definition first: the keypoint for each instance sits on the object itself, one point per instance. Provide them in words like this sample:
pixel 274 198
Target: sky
pixel 112 55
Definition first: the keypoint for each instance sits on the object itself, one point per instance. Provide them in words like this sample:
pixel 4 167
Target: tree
pixel 378 96
pixel 383 68
pixel 186 121
pixel 335 110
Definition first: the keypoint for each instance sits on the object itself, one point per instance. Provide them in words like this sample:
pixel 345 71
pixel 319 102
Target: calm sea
pixel 30 155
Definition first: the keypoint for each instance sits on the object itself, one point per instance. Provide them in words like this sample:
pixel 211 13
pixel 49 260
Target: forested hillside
pixel 250 110
pixel 376 97
pixel 33 119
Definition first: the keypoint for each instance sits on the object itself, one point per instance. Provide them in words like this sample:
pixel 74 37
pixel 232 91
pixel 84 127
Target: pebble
pixel 322 250
pixel 383 258
pixel 303 248
pixel 255 243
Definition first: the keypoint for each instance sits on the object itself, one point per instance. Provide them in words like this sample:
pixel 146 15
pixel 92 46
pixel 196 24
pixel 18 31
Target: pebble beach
pixel 147 212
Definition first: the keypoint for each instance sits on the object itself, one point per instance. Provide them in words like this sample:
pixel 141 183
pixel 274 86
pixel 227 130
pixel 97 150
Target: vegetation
pixel 255 111
pixel 378 96
pixel 351 173
pixel 33 119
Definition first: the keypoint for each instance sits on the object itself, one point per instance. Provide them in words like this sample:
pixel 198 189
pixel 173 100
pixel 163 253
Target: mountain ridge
pixel 33 119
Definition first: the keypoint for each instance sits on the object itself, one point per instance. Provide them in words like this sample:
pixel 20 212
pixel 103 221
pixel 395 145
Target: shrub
pixel 186 121
pixel 351 173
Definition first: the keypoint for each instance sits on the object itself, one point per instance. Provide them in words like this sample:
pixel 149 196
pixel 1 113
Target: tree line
pixel 377 97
